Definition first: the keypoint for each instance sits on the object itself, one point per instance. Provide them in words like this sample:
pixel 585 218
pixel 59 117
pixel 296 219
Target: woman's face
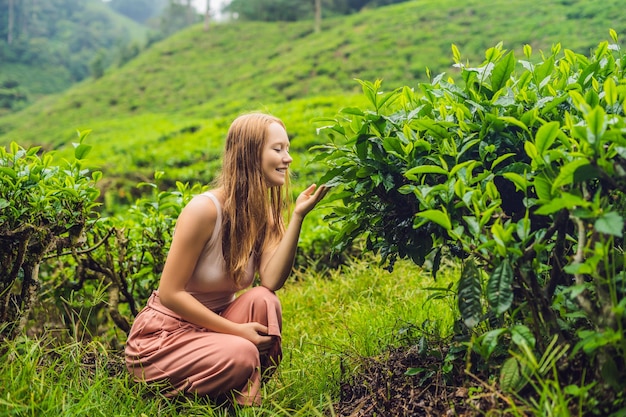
pixel 275 158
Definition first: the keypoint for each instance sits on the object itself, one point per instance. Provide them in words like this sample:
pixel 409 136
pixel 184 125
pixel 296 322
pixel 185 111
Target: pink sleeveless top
pixel 210 282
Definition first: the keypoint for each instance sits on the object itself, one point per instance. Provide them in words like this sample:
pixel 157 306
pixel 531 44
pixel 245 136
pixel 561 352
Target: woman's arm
pixel 277 261
pixel 194 228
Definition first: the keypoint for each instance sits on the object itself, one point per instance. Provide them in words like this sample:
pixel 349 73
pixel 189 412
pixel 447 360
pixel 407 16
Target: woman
pixel 195 334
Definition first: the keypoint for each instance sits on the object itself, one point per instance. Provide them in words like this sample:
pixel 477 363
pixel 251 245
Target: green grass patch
pixel 330 321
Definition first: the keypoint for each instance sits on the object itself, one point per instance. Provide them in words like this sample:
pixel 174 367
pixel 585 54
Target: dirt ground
pixel 382 388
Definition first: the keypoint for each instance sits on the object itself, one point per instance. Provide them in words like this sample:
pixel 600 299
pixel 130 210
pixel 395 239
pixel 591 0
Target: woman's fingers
pixel 310 197
pixel 266 344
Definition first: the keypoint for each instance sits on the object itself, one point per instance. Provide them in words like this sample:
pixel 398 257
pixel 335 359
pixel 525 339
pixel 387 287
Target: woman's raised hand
pixel 308 198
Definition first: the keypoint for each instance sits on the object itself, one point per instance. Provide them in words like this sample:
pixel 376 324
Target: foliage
pixel 60 38
pixel 292 10
pixel 250 65
pixel 12 97
pixel 271 10
pixel 520 173
pixel 109 263
pixel 127 255
pixel 98 284
pixel 138 10
pixel 45 210
pixel 175 16
pixel 168 109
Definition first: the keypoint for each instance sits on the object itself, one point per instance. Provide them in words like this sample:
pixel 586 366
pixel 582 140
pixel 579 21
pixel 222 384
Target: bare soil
pixel 382 388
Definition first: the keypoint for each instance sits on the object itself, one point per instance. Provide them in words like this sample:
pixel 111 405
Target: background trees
pixel 291 10
pixel 46 46
pixel 139 10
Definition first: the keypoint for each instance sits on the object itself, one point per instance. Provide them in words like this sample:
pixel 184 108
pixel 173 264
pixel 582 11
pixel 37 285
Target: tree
pixel 318 16
pixel 270 10
pixel 58 39
pixel 10 23
pixel 139 10
pixel 176 16
pixel 207 15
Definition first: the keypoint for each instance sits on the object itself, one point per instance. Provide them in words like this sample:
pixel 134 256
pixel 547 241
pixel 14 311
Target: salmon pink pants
pixel 163 347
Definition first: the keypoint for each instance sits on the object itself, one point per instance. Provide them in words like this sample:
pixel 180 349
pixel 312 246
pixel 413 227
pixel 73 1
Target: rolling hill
pixel 169 108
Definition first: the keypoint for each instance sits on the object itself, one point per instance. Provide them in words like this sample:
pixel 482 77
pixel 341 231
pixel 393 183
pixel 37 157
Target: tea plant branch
pixel 83 251
pixel 583 301
pixel 121 281
pixel 542 310
pixel 19 258
pixel 22 235
pixel 83 276
pixel 114 289
pixel 30 285
pixel 556 272
pixel 528 296
pixel 558 223
pixel 116 316
pixel 486 260
pixel 614 185
pixel 18 231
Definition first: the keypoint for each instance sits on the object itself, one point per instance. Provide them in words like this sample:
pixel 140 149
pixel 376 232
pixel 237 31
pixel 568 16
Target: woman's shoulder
pixel 204 207
pixel 211 197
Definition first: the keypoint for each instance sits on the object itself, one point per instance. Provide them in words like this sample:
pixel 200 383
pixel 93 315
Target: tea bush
pixel 60 254
pixel 45 210
pixel 517 171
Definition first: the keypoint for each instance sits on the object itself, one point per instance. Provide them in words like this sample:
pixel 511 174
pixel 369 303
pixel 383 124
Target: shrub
pixel 117 266
pixel 45 210
pixel 58 250
pixel 518 173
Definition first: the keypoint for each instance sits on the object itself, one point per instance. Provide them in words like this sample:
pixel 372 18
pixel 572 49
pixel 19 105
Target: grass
pixel 169 110
pixel 330 322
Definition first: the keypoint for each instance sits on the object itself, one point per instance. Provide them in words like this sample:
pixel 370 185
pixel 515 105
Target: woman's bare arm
pixel 277 261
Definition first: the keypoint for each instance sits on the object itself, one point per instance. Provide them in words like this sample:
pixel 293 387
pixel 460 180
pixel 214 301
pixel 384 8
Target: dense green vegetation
pixel 517 171
pixel 182 92
pixel 433 161
pixel 141 11
pixel 292 10
pixel 45 47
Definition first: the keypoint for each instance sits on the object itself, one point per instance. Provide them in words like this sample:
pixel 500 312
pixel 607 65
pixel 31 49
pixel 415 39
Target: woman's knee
pixel 262 292
pixel 263 297
pixel 244 355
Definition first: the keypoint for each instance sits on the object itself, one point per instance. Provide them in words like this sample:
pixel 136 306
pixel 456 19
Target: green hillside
pixel 54 43
pixel 169 108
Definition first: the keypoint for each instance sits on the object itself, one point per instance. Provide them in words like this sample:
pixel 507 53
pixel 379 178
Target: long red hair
pixel 253 212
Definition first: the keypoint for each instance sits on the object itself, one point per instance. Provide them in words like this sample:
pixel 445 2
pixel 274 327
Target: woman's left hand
pixel 309 198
